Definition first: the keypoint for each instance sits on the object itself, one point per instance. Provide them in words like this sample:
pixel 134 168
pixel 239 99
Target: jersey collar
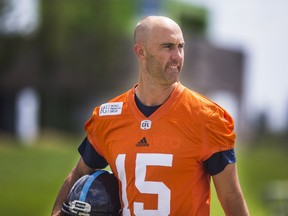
pixel 173 98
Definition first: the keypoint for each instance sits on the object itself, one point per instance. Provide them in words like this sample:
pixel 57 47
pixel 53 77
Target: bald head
pixel 150 25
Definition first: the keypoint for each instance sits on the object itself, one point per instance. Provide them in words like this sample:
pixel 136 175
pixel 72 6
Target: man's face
pixel 165 54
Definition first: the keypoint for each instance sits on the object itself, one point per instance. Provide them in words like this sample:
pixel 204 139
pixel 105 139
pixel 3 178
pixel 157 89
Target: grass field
pixel 31 176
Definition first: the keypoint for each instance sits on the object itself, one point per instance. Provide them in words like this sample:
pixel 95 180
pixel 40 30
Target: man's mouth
pixel 173 67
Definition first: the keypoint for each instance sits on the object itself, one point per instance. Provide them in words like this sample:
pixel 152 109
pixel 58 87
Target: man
pixel 162 141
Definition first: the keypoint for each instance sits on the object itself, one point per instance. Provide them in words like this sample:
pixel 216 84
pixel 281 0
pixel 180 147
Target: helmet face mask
pixel 96 194
pixel 77 207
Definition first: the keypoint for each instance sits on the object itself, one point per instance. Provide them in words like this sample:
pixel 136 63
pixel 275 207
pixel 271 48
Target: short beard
pixel 153 69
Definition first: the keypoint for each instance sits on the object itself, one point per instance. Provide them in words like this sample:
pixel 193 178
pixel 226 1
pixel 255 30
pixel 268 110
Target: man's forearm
pixel 79 170
pixel 235 206
pixel 63 193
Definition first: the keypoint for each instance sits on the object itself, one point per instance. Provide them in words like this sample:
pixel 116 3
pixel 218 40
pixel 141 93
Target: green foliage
pixel 192 19
pixel 65 20
pixel 81 52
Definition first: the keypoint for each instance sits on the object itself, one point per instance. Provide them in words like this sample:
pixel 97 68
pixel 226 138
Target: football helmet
pixel 96 194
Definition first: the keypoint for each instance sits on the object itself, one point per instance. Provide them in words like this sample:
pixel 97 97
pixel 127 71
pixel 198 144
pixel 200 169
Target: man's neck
pixel 153 95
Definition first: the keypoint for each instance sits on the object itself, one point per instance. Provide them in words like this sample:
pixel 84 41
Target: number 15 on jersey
pixel 146 187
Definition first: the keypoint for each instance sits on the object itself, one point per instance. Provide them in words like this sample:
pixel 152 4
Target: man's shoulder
pixel 197 98
pixel 121 97
pixel 114 106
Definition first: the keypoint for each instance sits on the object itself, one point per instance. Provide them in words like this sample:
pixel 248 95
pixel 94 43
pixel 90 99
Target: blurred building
pixel 216 73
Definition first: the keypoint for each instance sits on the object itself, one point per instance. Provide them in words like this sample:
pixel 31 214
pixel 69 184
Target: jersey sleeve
pixel 219 132
pixel 90 156
pixel 218 161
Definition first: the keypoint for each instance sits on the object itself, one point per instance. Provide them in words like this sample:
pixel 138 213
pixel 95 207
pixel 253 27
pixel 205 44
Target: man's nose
pixel 177 53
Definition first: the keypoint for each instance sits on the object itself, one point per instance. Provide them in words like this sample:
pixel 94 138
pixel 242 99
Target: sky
pixel 259 28
pixel 20 18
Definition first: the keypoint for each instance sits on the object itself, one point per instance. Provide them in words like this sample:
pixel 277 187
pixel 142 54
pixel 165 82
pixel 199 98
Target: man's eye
pixel 168 46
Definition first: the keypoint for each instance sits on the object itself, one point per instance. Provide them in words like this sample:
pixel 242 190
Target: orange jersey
pixel 159 160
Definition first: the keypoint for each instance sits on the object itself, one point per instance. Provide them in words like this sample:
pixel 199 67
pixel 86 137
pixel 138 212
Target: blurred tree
pixel 82 47
pixel 193 19
pixel 83 37
pixel 78 51
pixel 81 52
pixel 1 6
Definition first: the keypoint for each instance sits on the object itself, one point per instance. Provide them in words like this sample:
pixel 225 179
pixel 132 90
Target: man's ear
pixel 139 50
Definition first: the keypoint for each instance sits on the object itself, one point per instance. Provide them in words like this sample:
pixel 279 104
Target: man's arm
pixel 77 172
pixel 229 192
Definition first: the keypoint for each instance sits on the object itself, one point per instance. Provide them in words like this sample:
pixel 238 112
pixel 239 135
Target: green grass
pixel 262 162
pixel 30 177
pixel 259 167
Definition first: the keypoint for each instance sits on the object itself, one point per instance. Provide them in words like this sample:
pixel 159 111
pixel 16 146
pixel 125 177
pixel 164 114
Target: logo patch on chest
pixel 114 108
pixel 145 124
pixel 142 143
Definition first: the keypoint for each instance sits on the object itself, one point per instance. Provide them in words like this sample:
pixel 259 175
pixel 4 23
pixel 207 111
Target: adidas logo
pixel 142 143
